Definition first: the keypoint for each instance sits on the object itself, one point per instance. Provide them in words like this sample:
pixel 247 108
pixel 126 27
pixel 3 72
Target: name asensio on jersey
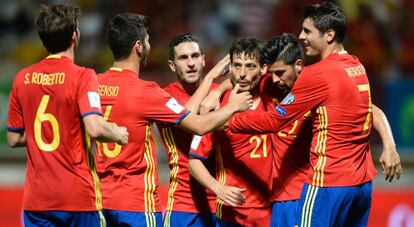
pixel 108 90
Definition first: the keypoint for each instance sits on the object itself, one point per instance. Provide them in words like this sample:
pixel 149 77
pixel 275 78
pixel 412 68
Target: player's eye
pixel 236 66
pixel 196 55
pixel 251 66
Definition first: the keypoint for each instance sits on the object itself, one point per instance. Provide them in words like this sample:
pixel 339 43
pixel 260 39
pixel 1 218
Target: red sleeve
pixel 162 107
pixel 308 92
pixel 15 120
pixel 267 87
pixel 201 146
pixel 88 97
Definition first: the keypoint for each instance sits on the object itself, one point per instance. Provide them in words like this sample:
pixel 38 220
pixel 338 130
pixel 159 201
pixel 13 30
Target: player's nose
pixel 275 78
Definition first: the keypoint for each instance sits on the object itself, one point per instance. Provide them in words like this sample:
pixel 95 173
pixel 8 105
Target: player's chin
pixel 192 80
pixel 244 88
pixel 284 88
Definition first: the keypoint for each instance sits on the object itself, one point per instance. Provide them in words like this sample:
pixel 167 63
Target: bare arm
pixel 16 139
pixel 212 101
pixel 202 124
pixel 390 160
pixel 229 194
pixel 202 91
pixel 100 130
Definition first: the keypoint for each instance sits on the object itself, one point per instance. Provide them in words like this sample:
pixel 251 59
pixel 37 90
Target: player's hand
pixel 243 100
pixel 221 69
pixel 231 195
pixel 390 163
pixel 122 133
pixel 209 103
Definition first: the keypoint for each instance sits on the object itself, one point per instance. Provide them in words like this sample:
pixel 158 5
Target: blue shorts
pixel 284 213
pixel 335 206
pixel 178 219
pixel 224 223
pixel 63 218
pixel 130 218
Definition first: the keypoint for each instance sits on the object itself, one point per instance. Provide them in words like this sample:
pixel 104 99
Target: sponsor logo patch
pixel 94 100
pixel 173 105
pixel 281 110
pixel 195 142
pixel 290 98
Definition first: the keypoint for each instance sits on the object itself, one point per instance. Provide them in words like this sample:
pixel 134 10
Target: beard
pixel 284 90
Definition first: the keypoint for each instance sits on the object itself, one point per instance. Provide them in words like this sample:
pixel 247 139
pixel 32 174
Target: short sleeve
pixel 162 107
pixel 201 146
pixel 15 118
pixel 88 96
pixel 266 87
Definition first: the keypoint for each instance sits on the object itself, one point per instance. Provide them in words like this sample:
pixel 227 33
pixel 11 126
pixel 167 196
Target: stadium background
pixel 380 33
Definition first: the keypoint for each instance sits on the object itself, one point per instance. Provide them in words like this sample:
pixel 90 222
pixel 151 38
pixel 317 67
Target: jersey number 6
pixel 41 117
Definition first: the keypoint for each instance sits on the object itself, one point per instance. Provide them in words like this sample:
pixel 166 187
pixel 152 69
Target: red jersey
pixel 129 173
pixel 185 193
pixel 47 102
pixel 337 92
pixel 244 161
pixel 291 148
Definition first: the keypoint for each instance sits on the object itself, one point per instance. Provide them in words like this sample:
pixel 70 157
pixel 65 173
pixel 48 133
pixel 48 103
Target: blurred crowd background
pixel 380 33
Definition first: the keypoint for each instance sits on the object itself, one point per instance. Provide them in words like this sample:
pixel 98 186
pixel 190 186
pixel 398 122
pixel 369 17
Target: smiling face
pixel 245 71
pixel 188 62
pixel 314 42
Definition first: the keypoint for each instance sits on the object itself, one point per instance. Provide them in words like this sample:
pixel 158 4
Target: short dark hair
pixel 284 48
pixel 55 24
pixel 180 38
pixel 123 30
pixel 327 15
pixel 250 46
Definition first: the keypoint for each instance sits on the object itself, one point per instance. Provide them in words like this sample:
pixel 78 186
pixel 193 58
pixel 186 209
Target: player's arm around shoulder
pixel 202 124
pixel 102 131
pixel 217 71
pixel 212 101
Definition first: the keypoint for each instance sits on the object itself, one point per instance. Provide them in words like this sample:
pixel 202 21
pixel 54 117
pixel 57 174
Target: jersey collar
pixel 116 69
pixel 56 56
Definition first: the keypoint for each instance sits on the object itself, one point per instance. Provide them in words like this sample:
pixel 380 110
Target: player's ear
pixel 75 36
pixel 203 60
pixel 330 36
pixel 263 69
pixel 171 65
pixel 298 66
pixel 139 47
